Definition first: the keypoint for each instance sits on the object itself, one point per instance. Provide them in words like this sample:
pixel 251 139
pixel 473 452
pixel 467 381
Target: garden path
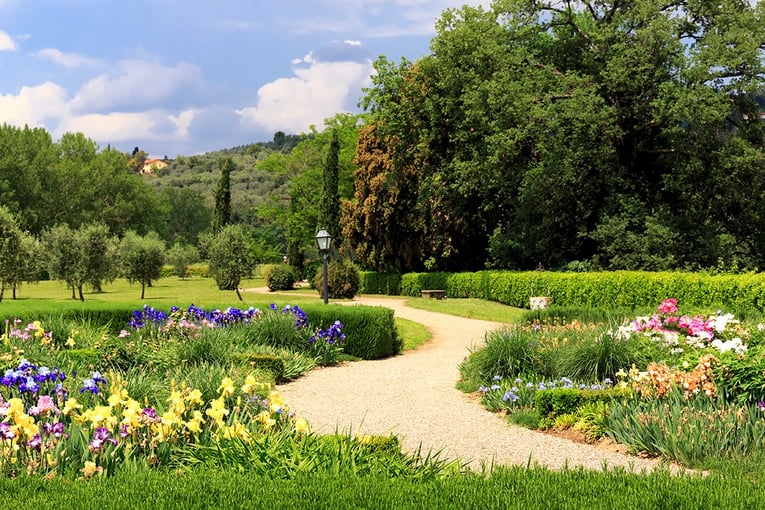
pixel 413 395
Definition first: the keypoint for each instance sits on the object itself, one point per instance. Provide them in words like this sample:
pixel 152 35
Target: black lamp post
pixel 323 241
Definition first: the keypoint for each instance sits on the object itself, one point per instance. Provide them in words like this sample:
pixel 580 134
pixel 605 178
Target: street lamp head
pixel 323 240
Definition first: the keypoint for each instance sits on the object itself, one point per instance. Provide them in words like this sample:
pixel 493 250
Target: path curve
pixel 413 395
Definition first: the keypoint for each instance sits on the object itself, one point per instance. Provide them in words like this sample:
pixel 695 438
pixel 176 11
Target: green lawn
pixel 470 308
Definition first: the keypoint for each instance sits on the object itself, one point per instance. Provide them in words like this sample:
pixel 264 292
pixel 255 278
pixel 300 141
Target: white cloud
pixel 117 127
pixel 68 60
pixel 136 83
pixel 313 95
pixel 6 42
pixel 378 18
pixel 183 120
pixel 33 105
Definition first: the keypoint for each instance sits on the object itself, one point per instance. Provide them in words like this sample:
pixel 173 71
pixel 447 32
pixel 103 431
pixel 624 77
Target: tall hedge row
pixel 617 289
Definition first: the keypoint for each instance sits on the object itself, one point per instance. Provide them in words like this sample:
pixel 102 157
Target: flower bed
pixel 698 393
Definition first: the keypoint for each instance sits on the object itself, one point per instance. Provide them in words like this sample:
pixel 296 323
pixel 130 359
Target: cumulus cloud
pixel 135 83
pixel 314 94
pixel 6 42
pixel 68 60
pixel 33 105
pixel 115 127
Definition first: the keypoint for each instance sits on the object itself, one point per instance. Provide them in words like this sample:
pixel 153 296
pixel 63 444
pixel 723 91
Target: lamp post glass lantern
pixel 324 241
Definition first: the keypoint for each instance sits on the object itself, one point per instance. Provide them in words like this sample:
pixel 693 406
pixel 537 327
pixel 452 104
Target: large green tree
pixel 540 130
pixel 27 184
pixel 298 208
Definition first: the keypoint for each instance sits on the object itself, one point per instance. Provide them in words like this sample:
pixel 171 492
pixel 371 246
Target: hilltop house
pixel 152 166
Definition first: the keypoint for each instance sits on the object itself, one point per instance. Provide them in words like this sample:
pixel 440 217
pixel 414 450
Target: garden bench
pixel 437 294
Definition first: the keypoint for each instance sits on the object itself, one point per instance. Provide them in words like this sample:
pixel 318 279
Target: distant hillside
pixel 251 187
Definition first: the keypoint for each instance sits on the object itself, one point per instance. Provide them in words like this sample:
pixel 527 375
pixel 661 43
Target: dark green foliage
pixel 370 330
pixel 11 251
pixel 280 277
pixel 343 279
pixel 222 210
pixel 329 208
pixel 534 132
pixel 380 283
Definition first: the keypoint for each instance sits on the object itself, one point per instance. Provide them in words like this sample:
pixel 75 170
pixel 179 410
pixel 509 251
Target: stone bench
pixel 436 294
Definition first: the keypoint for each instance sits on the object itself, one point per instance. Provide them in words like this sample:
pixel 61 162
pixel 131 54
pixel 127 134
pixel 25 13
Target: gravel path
pixel 414 396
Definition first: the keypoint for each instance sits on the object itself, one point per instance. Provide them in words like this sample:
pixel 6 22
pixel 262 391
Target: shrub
pixel 343 279
pixel 280 277
pixel 371 330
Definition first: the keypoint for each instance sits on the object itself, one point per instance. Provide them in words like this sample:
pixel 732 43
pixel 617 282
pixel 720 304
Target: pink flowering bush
pixel 721 332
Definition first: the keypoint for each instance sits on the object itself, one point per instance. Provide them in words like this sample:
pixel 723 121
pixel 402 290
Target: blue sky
pixel 189 76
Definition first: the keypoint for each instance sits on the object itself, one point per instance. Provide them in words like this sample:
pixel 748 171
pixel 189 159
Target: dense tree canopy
pixel 618 134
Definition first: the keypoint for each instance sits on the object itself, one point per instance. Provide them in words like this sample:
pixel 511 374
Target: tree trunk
pixel 2 290
pixel 143 287
pixel 238 294
pixel 74 295
pixel 13 296
pixel 79 289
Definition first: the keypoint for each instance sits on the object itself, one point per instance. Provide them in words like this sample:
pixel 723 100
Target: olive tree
pixel 10 250
pixel 141 258
pixel 229 255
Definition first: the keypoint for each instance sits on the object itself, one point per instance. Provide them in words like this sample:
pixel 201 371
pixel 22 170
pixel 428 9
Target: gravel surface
pixel 413 395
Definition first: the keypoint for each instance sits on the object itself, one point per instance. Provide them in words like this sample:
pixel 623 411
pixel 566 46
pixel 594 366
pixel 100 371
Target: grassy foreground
pixel 506 488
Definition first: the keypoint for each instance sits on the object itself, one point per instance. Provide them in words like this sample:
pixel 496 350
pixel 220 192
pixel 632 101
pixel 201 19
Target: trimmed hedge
pixel 609 290
pixel 370 330
pixel 193 271
pixel 414 283
pixel 380 283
